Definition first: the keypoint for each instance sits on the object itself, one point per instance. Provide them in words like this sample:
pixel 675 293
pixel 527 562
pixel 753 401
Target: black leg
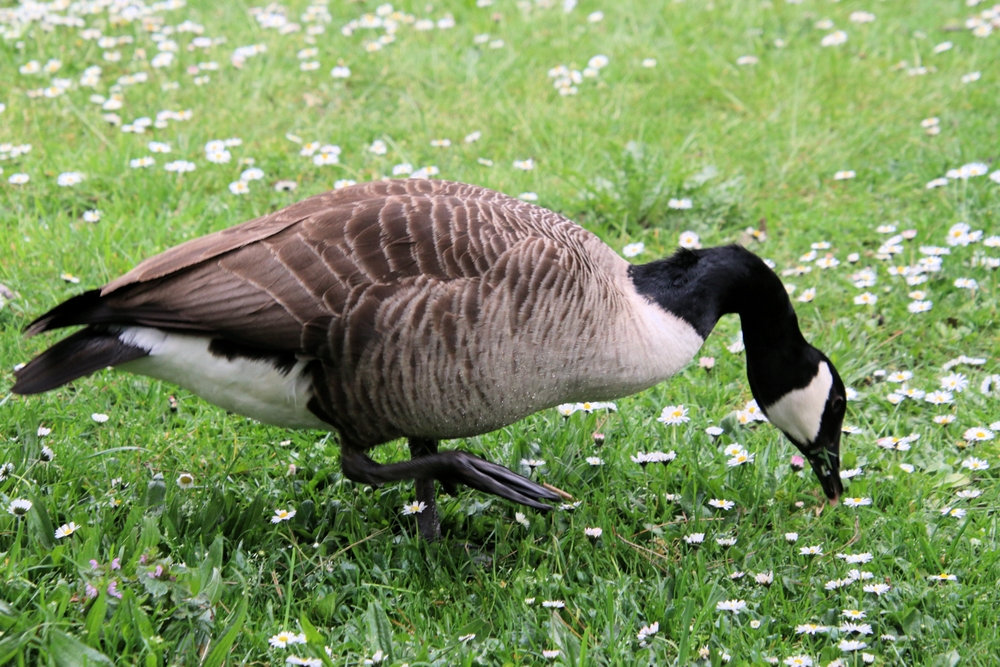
pixel 450 468
pixel 428 521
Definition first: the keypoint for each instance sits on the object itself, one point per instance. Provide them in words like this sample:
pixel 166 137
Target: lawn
pixel 850 143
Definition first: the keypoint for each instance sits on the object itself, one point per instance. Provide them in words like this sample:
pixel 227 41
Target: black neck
pixel 700 286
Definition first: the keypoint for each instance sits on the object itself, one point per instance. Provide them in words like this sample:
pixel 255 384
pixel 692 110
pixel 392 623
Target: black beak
pixel 825 461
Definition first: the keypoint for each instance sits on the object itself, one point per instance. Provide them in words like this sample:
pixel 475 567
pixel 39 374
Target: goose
pixel 432 310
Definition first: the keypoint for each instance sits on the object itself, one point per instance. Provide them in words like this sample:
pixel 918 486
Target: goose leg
pixel 427 521
pixel 449 468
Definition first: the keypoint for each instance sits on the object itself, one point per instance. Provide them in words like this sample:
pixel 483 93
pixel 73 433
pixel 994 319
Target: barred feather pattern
pixel 420 308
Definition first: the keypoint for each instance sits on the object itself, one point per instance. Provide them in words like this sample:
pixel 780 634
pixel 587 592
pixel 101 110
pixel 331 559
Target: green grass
pixel 203 576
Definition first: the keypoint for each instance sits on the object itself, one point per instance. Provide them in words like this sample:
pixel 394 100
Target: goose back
pixel 409 308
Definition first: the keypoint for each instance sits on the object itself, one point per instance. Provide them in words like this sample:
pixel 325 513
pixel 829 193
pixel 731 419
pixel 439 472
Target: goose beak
pixel 825 462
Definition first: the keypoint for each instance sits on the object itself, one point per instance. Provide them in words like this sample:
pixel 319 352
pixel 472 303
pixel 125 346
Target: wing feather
pixel 312 277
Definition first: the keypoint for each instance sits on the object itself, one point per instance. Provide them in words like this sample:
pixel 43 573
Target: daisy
pixel 944 576
pixel 6 470
pixel 939 397
pixel 798 661
pixel 865 299
pixel 92 215
pixel 661 457
pixel 807 295
pixel 633 249
pixel 185 480
pixel 522 519
pixel 673 414
pixel 415 507
pixel 594 460
pixel 725 541
pixel 844 175
pixel 532 463
pixel 239 187
pixel 973 463
pixel 834 38
pixel 66 530
pixel 524 165
pixel 551 653
pixel 326 157
pixel 285 638
pixel 854 614
pixel 648 630
pixel 857 628
pixel 179 166
pixel 739 458
pixel 252 174
pixel 553 604
pixel 720 503
pixel 694 538
pixel 19 507
pixel 977 434
pixel 877 589
pixel 594 532
pixel 856 558
pixel 689 239
pixel 810 629
pixel 814 550
pixel 46 454
pixel 792 537
pixel 299 660
pixel 851 645
pixel 735 606
pixel 764 578
pixel 218 156
pixel 966 283
pixel 680 204
pixel 282 515
pixel 857 502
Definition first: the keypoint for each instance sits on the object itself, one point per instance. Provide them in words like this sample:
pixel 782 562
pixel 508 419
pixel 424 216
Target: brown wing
pixel 285 281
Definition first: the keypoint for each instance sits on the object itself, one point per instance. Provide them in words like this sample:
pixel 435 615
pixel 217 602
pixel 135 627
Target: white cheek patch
pixel 799 413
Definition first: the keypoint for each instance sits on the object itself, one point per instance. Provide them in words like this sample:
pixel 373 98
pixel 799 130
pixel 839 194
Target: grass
pixel 158 574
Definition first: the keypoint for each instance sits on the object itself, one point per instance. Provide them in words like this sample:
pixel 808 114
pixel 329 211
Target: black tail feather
pixel 80 354
pixel 79 309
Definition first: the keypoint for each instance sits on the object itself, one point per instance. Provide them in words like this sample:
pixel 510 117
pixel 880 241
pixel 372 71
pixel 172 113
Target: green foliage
pixel 164 572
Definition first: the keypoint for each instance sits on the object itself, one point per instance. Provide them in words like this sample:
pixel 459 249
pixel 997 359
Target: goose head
pixel 801 393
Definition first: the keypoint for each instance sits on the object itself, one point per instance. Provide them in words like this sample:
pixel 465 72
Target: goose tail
pixel 81 354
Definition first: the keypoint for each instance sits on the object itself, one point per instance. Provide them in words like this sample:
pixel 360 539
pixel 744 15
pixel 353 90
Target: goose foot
pixel 451 468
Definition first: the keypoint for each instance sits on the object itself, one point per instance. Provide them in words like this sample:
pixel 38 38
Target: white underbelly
pixel 252 387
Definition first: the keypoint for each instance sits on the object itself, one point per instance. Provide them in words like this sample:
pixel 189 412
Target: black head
pixel 802 394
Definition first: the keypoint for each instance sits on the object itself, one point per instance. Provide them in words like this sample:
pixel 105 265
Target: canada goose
pixel 432 310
